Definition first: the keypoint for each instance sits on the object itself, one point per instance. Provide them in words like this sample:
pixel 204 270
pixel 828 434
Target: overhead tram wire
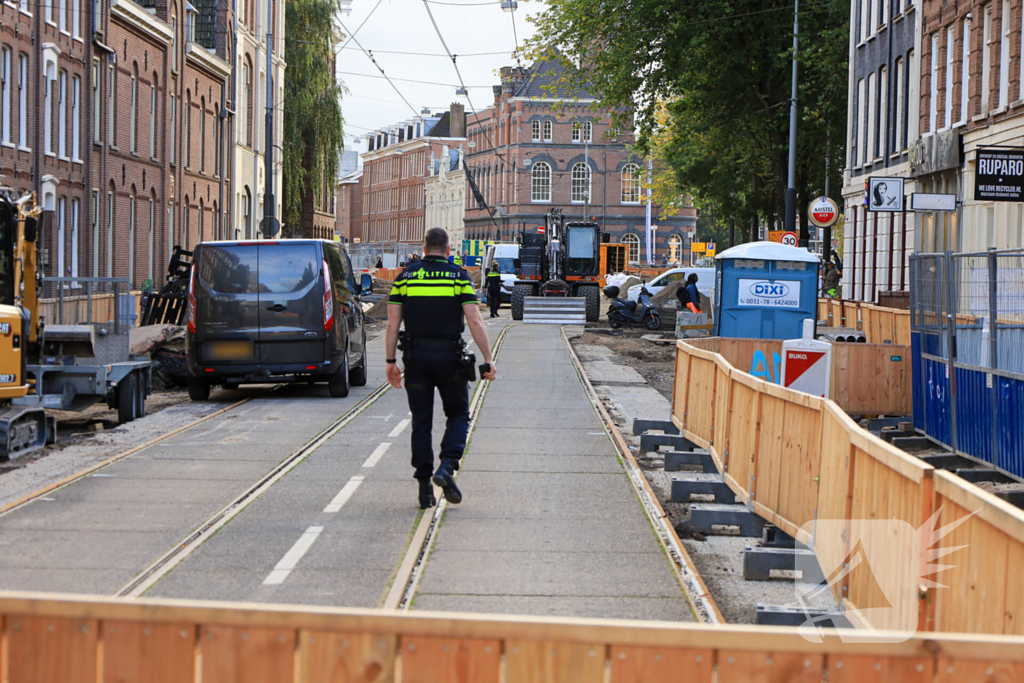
pixel 359 28
pixel 379 68
pixel 432 54
pixel 411 80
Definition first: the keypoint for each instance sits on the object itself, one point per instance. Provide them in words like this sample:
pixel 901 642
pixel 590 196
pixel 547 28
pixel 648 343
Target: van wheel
pixel 126 399
pixel 337 383
pixel 198 389
pixel 357 375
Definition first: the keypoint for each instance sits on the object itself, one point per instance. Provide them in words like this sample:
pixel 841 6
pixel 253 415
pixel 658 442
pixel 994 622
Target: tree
pixel 720 71
pixel 313 124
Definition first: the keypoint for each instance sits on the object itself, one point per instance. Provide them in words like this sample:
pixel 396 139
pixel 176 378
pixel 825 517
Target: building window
pixel 110 232
pixel 577 129
pixel 188 131
pixel 62 115
pixel 48 11
pixel 883 111
pixel 131 238
pixel 865 19
pixel 133 122
pixel 860 151
pixel 5 74
pixel 986 59
pixel 202 139
pixel 914 71
pixel 95 228
pixel 632 243
pixel 111 100
pixel 49 77
pixel 246 107
pixel 580 191
pixel 76 18
pixel 174 43
pixel 96 101
pixel 152 120
pixel 76 117
pixel 947 120
pixel 900 103
pixel 965 70
pixel 536 131
pixel 1004 55
pixel 540 182
pixel 75 206
pixel 870 148
pixel 22 101
pixel 61 209
pixel 547 131
pixel 173 128
pixel 588 131
pixel 933 88
pixel 630 184
pixel 152 240
pixel 62 11
pixel 675 249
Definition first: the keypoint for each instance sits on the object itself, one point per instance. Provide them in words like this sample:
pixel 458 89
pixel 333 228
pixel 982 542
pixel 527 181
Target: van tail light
pixel 190 314
pixel 328 300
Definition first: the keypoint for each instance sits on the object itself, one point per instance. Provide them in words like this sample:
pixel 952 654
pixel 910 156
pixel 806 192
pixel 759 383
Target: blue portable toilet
pixel 764 290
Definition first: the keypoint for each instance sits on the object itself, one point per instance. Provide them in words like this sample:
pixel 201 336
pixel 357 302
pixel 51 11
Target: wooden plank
pixel 51 650
pixel 338 657
pixel 972 671
pixel 856 669
pixel 247 655
pixel 449 660
pixel 907 465
pixel 769 449
pixel 993 510
pixel 540 662
pixel 768 667
pixel 1013 612
pixel 643 664
pixel 134 652
pixel 723 401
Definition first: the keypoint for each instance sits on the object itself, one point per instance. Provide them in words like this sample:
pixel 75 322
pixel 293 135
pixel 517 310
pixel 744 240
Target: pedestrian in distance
pixel 457 260
pixel 435 299
pixel 830 283
pixel 494 289
pixel 692 294
pixel 380 262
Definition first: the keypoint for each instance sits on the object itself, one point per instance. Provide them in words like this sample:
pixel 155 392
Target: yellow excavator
pixel 22 429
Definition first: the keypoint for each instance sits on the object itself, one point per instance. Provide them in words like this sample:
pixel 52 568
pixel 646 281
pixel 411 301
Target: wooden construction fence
pixel 867 379
pixel 879 324
pixel 801 463
pixel 78 639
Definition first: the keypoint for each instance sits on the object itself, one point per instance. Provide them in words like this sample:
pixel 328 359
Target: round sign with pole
pixel 823 212
pixel 270 226
pixel 790 239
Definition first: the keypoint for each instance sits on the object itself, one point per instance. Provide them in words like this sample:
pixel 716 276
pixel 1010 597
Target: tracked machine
pixel 559 269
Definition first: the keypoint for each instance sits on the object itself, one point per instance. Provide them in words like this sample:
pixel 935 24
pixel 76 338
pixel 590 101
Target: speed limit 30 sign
pixel 789 239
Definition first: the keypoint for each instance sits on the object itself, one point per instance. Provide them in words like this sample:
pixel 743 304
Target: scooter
pixel 626 312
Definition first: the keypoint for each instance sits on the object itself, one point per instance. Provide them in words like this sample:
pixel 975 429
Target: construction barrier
pixel 72 639
pixel 880 325
pixel 867 379
pixel 801 463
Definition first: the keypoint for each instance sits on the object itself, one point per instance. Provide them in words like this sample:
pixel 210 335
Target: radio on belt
pixel 807 363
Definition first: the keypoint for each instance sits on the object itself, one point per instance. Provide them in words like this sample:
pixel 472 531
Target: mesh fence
pixel 391 254
pixel 1009 313
pixel 83 301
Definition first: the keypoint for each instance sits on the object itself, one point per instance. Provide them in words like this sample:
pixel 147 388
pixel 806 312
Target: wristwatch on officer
pixel 390 361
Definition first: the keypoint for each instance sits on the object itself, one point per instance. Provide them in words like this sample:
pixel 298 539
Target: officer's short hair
pixel 436 239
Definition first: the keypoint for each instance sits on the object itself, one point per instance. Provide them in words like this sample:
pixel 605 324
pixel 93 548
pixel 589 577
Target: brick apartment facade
pixel 394 171
pixel 349 212
pixel 534 150
pixel 972 95
pixel 113 119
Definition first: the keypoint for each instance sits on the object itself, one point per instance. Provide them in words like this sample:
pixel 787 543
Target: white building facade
pixel 445 190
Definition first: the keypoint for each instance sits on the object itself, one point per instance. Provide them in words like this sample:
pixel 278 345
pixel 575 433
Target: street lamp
pixel 509 5
pixel 461 91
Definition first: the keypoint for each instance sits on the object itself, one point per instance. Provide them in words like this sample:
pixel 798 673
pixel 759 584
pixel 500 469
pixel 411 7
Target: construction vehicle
pixel 60 366
pixel 560 259
pixel 167 307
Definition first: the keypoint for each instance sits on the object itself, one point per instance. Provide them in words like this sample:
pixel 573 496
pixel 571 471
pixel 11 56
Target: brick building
pixel 882 114
pixel 394 171
pixel 541 146
pixel 972 96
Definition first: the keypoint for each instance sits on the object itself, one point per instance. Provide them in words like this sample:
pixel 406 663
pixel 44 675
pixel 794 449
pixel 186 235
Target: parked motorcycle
pixel 626 312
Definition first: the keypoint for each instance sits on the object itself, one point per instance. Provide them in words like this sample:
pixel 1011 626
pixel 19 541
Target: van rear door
pixel 291 303
pixel 227 304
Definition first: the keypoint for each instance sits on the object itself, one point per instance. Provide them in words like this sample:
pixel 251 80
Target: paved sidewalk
pixel 550 524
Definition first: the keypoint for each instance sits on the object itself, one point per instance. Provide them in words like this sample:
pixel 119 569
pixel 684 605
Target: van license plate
pixel 228 350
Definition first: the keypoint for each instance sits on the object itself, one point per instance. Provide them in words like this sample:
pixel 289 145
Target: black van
pixel 274 311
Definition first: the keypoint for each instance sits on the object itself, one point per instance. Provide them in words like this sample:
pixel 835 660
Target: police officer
pixel 494 289
pixel 457 259
pixel 431 297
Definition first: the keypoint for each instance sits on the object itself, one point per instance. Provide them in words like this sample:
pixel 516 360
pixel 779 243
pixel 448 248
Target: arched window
pixel 631 184
pixel 152 117
pixel 577 129
pixel 632 243
pixel 675 249
pixel 184 223
pixel 540 182
pixel 202 217
pixel 547 131
pixel 243 121
pixel 536 131
pixel 580 183
pixel 588 131
pixel 133 122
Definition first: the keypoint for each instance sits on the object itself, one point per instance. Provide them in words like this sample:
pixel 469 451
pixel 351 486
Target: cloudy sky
pixel 469 27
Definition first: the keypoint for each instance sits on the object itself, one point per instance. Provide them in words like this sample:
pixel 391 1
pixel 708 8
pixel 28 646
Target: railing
pixel 801 463
pixel 880 325
pixel 65 639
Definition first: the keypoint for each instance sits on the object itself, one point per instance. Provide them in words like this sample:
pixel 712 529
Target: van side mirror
pixel 366 284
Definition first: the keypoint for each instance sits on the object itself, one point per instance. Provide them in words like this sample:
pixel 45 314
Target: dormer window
pixel 191 16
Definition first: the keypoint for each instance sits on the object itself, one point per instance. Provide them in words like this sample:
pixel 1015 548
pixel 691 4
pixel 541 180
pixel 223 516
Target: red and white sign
pixel 789 239
pixel 540 230
pixel 823 212
pixel 807 363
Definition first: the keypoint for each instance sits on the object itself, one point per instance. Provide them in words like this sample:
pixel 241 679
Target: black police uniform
pixel 432 292
pixel 494 291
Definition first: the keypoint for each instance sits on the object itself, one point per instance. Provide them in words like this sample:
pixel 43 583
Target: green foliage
pixel 313 124
pixel 708 83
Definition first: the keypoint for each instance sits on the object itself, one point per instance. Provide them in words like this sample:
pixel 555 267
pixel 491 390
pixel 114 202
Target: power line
pixel 409 80
pixel 379 68
pixel 432 54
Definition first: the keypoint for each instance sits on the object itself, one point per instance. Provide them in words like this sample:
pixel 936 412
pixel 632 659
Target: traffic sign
pixel 776 235
pixel 789 239
pixel 710 249
pixel 698 247
pixel 823 212
pixel 885 194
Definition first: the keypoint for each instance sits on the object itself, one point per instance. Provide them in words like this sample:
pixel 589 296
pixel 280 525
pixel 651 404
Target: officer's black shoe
pixel 446 481
pixel 427 499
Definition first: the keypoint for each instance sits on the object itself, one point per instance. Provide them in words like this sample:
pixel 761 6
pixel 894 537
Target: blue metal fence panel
pixel 917 386
pixel 936 401
pixel 974 414
pixel 1010 424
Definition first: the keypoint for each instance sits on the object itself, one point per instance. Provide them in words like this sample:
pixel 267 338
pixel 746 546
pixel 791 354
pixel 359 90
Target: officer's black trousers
pixel 494 301
pixel 427 368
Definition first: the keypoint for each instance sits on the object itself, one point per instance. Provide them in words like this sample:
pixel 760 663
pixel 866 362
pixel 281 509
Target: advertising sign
pixel 885 194
pixel 823 212
pixel 769 293
pixel 999 175
pixel 922 201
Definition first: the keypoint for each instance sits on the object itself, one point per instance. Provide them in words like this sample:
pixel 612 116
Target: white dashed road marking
pixel 344 494
pixel 399 428
pixel 292 557
pixel 377 454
